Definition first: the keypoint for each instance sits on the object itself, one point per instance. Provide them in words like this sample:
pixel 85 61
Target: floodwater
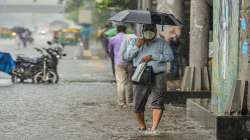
pixel 83 111
pixel 82 107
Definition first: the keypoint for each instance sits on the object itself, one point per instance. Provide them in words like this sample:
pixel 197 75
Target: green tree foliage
pixel 104 8
pixel 72 8
pixel 60 1
pixel 117 4
pixel 73 16
pixel 72 5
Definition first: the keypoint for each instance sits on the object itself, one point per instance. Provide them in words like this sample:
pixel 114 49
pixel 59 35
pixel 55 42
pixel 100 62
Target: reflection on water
pixel 164 137
pixel 155 138
pixel 172 136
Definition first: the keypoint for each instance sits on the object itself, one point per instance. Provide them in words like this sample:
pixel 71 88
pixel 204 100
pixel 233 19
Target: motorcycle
pixel 40 70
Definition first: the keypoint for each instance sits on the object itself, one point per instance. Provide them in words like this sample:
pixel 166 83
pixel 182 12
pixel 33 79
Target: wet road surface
pixel 82 106
pixel 82 111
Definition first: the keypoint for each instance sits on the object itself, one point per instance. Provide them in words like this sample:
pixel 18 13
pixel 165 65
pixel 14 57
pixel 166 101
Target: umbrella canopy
pixel 18 29
pixel 58 25
pixel 146 17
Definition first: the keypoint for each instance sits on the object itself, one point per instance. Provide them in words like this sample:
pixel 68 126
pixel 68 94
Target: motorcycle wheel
pixel 52 76
pixel 15 79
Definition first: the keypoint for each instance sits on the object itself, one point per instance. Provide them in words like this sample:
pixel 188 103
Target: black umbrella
pixel 146 17
pixel 18 29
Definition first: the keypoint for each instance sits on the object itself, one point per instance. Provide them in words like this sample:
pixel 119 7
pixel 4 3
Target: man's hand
pixel 139 43
pixel 147 58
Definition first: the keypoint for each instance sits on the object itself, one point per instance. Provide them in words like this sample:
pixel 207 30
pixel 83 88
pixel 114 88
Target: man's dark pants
pixel 157 90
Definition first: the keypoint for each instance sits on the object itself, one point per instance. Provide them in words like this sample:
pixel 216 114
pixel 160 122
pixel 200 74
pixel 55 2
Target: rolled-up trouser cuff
pixel 155 104
pixel 139 111
pixel 158 107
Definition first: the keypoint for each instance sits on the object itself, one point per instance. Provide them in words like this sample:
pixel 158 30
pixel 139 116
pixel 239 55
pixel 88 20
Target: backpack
pixel 130 40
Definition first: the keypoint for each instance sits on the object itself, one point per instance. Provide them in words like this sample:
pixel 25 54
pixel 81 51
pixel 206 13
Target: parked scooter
pixel 39 70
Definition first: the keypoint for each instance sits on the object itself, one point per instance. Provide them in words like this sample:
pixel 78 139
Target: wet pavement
pixel 82 107
pixel 82 111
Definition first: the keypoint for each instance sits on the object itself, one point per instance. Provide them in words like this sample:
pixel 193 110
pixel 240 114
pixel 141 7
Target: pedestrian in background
pixel 21 40
pixel 172 37
pixel 109 34
pixel 18 41
pixel 175 63
pixel 156 53
pixel 85 33
pixel 103 38
pixel 105 33
pixel 122 68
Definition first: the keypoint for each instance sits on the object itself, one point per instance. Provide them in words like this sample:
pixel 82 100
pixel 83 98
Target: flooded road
pixel 76 111
pixel 82 107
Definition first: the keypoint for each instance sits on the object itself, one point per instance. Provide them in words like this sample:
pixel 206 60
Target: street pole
pixel 143 5
pixel 196 75
pixel 147 5
pixel 199 33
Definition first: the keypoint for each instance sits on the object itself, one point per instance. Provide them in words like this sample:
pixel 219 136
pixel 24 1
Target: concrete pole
pixel 139 4
pixel 143 5
pixel 146 4
pixel 199 33
pixel 196 77
pixel 137 25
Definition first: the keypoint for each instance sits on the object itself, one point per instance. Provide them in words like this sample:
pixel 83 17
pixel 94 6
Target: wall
pixel 244 40
pixel 226 48
pixel 52 2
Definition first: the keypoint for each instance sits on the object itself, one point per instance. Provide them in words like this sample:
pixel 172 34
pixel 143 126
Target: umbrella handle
pixel 162 26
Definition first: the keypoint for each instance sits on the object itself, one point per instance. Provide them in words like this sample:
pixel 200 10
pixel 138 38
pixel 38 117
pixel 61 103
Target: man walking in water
pixel 156 53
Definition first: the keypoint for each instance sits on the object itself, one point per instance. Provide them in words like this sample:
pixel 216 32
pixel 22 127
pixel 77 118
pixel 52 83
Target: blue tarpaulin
pixel 7 64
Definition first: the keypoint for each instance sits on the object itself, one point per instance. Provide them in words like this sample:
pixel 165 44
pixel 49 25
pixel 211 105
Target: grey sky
pixel 28 2
pixel 28 19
